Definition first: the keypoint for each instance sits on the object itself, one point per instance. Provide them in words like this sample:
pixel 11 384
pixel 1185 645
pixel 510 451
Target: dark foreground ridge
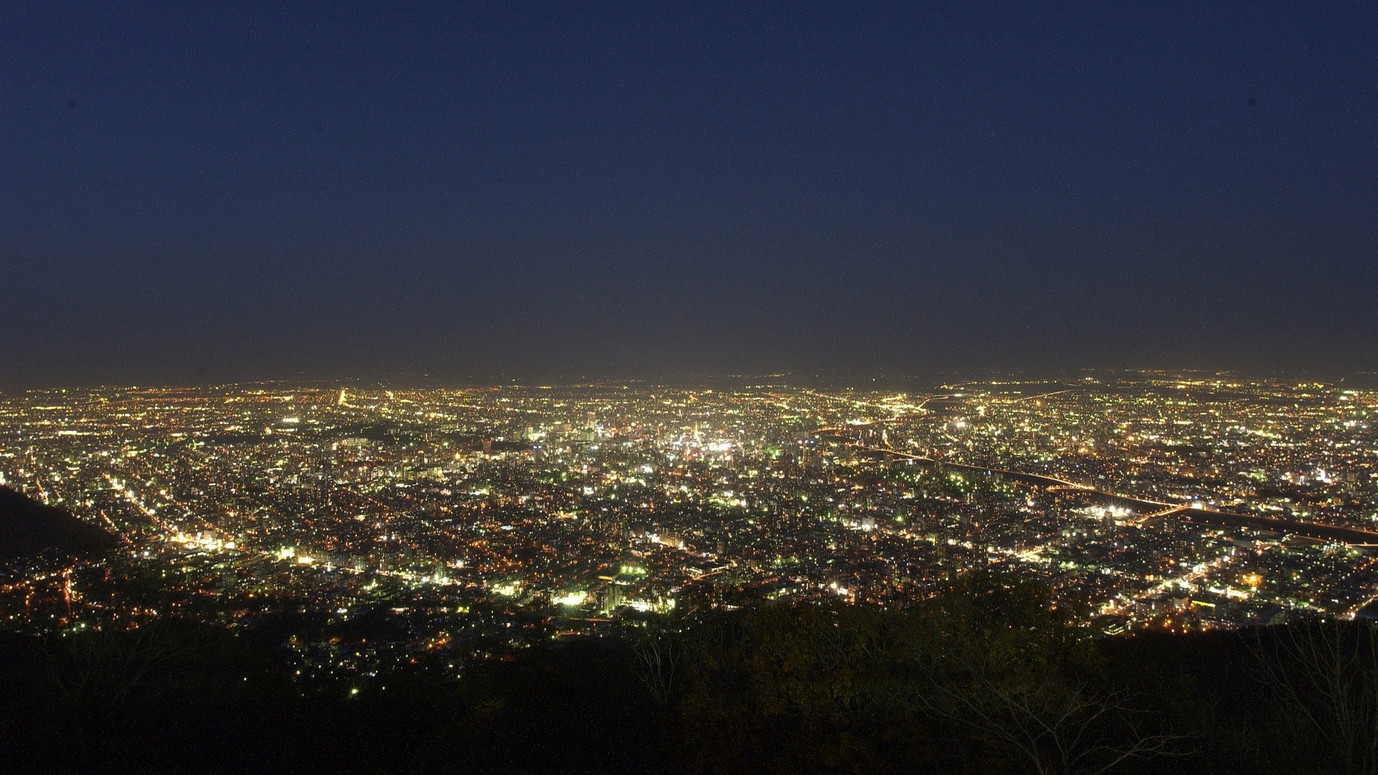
pixel 29 528
pixel 985 677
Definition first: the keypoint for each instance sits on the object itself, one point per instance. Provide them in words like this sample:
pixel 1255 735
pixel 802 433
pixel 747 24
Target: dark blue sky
pixel 290 189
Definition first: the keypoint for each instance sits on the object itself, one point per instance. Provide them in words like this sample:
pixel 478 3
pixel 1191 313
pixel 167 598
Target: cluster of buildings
pixel 368 528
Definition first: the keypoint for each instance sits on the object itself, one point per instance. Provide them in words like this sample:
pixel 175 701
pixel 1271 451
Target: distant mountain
pixel 28 527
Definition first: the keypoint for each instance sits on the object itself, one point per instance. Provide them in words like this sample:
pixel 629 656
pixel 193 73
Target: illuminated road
pixel 1346 535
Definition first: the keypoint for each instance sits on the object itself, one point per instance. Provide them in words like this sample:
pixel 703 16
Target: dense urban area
pixel 1127 572
pixel 379 527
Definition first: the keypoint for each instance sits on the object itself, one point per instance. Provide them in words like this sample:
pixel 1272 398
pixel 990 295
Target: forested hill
pixel 28 527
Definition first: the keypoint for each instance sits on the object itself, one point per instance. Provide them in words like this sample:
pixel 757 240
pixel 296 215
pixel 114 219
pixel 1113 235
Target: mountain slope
pixel 28 527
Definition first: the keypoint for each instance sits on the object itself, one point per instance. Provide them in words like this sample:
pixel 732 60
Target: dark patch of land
pixel 29 528
pixel 983 678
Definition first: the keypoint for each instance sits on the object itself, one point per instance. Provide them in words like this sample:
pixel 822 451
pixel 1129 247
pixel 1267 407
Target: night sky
pixel 231 191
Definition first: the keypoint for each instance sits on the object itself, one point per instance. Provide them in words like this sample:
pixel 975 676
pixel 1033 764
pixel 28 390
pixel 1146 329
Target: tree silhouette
pixel 660 658
pixel 1323 680
pixel 998 659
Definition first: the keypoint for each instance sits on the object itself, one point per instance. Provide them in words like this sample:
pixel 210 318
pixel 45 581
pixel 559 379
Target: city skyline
pixel 365 550
pixel 1126 497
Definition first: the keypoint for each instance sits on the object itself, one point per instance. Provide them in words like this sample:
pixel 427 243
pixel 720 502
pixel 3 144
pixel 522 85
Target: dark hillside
pixel 28 527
